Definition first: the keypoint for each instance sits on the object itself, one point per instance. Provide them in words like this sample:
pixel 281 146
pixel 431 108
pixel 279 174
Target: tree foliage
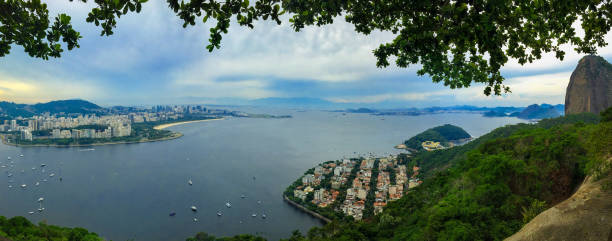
pixel 458 43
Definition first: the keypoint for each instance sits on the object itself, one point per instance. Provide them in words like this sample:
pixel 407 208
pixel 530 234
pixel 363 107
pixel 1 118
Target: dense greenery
pixel 74 107
pixel 493 188
pixel 457 43
pixel 442 134
pixel 19 228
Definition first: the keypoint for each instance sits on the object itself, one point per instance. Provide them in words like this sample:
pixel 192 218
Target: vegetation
pixel 493 189
pixel 443 134
pixel 19 228
pixel 457 43
pixel 74 107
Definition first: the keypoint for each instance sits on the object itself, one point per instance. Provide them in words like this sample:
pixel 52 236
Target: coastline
pixel 173 136
pixel 306 210
pixel 164 126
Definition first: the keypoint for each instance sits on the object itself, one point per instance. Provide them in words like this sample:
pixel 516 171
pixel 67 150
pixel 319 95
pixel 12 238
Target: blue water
pixel 127 191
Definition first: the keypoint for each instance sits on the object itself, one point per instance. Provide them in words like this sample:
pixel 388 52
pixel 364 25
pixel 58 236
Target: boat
pixel 43 165
pixel 44 180
pixel 23 186
pixel 195 219
pixel 31 213
pixel 258 201
pixel 219 214
pixel 40 199
pixel 8 157
pixel 21 155
pixel 172 214
pixel 254 215
pixel 190 182
pixel 227 204
pixel 3 166
pixel 37 183
pixel 10 186
pixel 10 174
pixel 41 209
pixel 33 168
pixel 193 208
pixel 52 174
pixel 263 216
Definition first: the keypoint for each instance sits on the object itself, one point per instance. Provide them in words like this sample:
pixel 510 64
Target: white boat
pixel 193 208
pixel 242 196
pixel 23 186
pixel 41 209
pixel 41 199
pixel 21 155
pixel 33 168
pixel 219 214
pixel 190 182
pixel 10 174
pixel 227 204
pixel 254 215
pixel 8 158
pixel 52 174
pixel 37 183
pixel 10 186
pixel 195 219
pixel 31 213
pixel 44 180
pixel 263 216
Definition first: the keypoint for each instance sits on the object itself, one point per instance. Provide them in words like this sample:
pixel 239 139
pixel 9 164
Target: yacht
pixel 190 182
pixel 21 155
pixel 193 208
pixel 219 214
pixel 227 204
pixel 41 199
pixel 31 213
pixel 254 215
pixel 23 186
pixel 52 174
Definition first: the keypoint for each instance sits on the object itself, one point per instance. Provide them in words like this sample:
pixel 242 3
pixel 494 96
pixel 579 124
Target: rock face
pixel 586 215
pixel 590 87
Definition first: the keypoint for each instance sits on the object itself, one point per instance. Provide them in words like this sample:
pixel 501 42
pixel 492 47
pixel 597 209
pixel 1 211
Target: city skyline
pixel 162 63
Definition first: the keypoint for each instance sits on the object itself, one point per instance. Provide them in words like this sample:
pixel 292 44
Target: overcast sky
pixel 151 59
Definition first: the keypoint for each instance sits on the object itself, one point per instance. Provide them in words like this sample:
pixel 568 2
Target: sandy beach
pixel 160 127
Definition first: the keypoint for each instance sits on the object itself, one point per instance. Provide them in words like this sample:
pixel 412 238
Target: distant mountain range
pixel 534 111
pixel 75 106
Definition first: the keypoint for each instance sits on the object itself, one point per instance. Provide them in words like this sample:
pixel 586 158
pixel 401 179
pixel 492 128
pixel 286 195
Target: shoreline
pixel 164 126
pixel 306 210
pixel 174 135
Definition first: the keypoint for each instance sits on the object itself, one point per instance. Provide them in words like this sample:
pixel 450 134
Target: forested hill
pixel 443 134
pixel 492 186
pixel 11 109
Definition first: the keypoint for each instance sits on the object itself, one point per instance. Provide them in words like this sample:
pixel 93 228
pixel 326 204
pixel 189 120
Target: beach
pixel 163 126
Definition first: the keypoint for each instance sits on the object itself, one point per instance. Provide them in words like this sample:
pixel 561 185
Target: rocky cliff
pixel 590 86
pixel 586 215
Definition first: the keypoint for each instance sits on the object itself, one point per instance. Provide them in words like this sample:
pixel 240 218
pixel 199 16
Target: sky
pixel 151 59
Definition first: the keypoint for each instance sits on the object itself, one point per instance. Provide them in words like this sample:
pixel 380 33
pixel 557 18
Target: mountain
pixel 590 86
pixel 54 107
pixel 536 111
pixel 443 134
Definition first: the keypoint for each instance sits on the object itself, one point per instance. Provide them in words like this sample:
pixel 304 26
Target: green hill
pixel 443 134
pixel 491 186
pixel 76 106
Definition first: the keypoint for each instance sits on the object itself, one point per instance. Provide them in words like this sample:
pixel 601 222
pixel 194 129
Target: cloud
pixel 33 91
pixel 546 88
